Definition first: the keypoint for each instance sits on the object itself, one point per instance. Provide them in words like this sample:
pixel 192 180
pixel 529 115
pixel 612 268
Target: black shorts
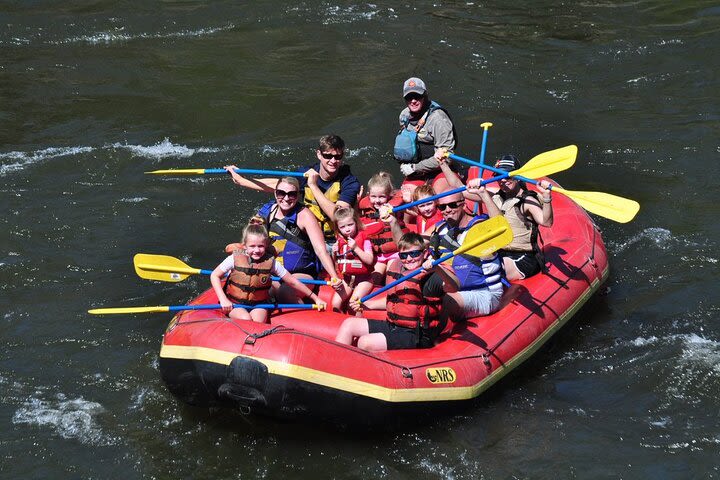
pixel 400 337
pixel 526 262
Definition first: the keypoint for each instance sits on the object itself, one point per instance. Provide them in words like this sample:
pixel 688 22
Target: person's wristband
pixel 546 201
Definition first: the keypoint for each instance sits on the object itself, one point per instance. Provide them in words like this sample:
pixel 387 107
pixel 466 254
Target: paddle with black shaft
pixel 214 306
pixel 165 268
pixel 481 240
pixel 606 205
pixel 210 171
pixel 542 165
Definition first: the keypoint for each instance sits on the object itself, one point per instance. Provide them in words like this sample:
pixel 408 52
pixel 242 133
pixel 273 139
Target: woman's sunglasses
pixel 410 254
pixel 282 194
pixel 451 205
pixel 328 156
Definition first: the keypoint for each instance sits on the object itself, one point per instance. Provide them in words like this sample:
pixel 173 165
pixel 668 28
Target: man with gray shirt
pixel 425 128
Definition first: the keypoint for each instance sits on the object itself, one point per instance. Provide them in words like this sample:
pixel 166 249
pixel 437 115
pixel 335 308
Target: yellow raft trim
pixel 395 395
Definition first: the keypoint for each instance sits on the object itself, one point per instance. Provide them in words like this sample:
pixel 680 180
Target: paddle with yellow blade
pixel 214 306
pixel 242 171
pixel 165 268
pixel 542 165
pixel 606 205
pixel 481 240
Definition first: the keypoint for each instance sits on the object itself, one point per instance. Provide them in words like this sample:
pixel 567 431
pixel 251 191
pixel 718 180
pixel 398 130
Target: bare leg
pixel 373 342
pixel 351 327
pixel 259 315
pixel 362 289
pixel 511 270
pixel 378 274
pixel 239 314
pixel 452 308
pixel 340 297
pixel 287 294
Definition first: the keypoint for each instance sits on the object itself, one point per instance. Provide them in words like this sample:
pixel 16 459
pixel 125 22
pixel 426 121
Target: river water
pixel 95 92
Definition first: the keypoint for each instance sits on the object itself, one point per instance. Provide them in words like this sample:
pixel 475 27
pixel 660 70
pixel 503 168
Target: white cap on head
pixel 414 85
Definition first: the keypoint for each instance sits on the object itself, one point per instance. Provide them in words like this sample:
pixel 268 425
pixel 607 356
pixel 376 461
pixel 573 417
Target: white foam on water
pixel 626 49
pixel 118 35
pixel 350 14
pixel 662 422
pixel 558 95
pixel 655 236
pixel 163 149
pixel 701 351
pixel 68 418
pixel 699 258
pixel 642 342
pixel 630 151
pixel 133 200
pixel 141 396
pixel 358 151
pixel 270 150
pixel 20 160
pixel 336 14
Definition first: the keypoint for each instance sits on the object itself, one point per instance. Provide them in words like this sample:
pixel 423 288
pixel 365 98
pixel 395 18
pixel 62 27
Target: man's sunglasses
pixel 328 156
pixel 413 96
pixel 451 205
pixel 282 194
pixel 410 254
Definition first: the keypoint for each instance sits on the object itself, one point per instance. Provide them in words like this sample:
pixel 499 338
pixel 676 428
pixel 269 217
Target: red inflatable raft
pixel 293 367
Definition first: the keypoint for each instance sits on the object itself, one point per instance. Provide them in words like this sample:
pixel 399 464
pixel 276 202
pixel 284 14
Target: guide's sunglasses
pixel 413 96
pixel 410 254
pixel 282 194
pixel 328 156
pixel 451 205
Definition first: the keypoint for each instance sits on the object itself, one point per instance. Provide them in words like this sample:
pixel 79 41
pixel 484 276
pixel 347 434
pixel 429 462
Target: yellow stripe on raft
pixel 395 395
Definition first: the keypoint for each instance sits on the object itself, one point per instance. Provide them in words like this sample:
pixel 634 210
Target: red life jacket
pixel 381 238
pixel 346 261
pixel 250 281
pixel 406 305
pixel 422 224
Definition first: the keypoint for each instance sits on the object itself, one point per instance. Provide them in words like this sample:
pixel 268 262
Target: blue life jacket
pixel 293 245
pixel 407 147
pixel 473 272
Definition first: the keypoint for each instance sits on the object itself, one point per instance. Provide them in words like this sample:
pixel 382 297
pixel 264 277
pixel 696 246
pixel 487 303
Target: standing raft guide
pixel 320 360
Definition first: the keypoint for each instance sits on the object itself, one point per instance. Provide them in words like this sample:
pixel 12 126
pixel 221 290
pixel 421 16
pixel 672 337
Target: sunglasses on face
pixel 412 96
pixel 282 194
pixel 410 254
pixel 451 205
pixel 328 156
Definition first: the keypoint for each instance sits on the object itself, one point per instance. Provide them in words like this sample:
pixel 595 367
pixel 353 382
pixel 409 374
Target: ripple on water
pixel 120 35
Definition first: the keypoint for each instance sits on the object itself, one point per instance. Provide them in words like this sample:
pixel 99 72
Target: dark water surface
pixel 93 93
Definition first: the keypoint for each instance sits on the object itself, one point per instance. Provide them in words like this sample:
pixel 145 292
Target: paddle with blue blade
pixel 165 268
pixel 214 306
pixel 241 171
pixel 613 207
pixel 481 240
